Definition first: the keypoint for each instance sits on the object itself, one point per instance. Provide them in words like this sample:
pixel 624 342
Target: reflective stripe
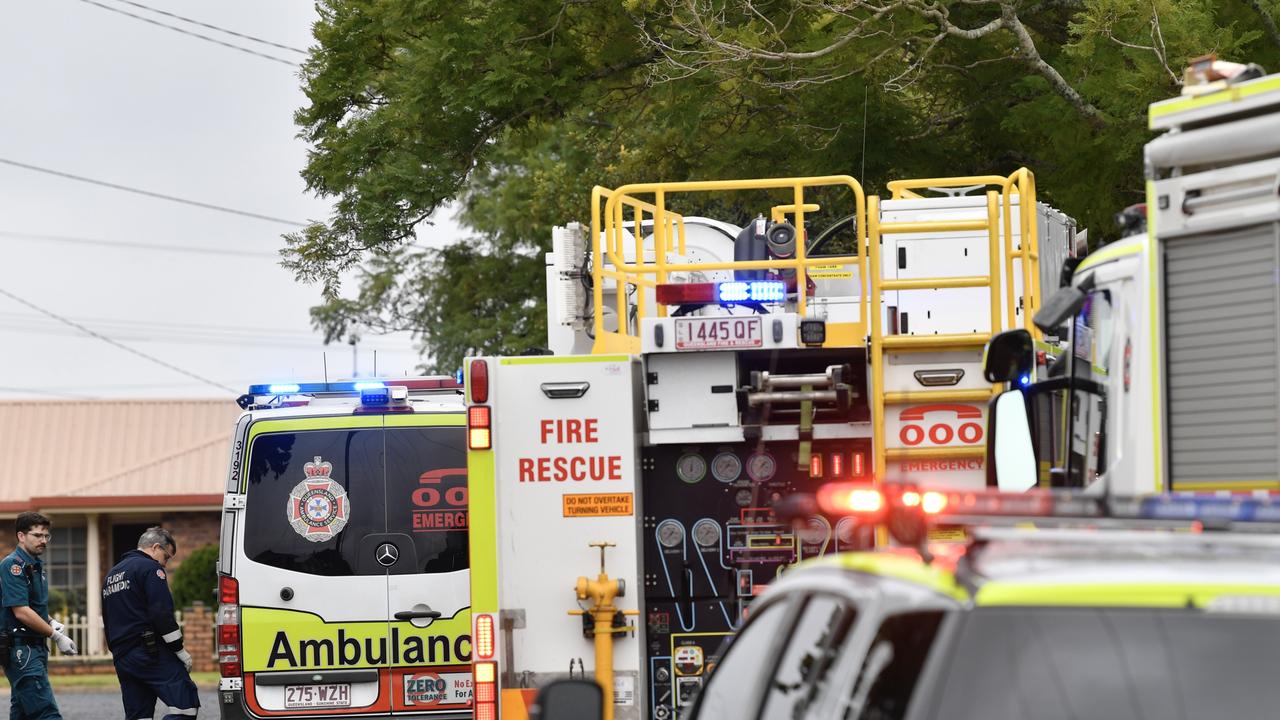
pixel 175 635
pixel 184 711
pixel 1113 595
pixel 483 508
pixel 901 567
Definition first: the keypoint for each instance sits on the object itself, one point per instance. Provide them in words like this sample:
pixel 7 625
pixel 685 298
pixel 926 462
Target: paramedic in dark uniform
pixel 144 639
pixel 26 623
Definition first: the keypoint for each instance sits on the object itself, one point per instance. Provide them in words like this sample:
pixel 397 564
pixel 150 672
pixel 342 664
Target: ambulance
pixel 622 487
pixel 343 576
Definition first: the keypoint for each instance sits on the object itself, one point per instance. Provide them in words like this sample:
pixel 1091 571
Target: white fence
pixel 77 627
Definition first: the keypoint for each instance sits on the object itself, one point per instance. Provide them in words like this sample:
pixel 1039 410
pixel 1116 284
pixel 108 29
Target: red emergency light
pixel 479 381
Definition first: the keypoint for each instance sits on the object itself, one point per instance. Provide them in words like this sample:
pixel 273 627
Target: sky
pixel 195 296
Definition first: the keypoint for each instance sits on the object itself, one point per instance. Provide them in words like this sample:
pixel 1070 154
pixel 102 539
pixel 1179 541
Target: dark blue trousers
pixel 145 677
pixel 31 697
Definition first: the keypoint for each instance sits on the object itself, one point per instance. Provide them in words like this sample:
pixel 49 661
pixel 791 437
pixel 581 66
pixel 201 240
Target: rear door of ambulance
pixel 562 474
pixel 353 584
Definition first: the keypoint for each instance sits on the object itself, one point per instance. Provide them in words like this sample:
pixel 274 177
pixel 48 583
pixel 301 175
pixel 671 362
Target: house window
pixel 65 564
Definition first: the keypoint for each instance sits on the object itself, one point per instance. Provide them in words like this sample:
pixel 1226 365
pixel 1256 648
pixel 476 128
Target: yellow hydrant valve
pixel 602 621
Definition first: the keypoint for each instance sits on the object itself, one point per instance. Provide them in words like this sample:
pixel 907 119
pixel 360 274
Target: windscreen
pixel 313 495
pixel 1059 663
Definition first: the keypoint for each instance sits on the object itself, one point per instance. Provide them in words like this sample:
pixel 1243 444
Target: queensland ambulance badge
pixel 318 507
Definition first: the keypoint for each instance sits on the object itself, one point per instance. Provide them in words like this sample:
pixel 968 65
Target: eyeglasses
pixel 167 555
pixel 40 535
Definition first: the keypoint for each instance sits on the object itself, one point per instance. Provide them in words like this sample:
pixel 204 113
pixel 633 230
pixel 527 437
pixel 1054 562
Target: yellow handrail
pixel 607 244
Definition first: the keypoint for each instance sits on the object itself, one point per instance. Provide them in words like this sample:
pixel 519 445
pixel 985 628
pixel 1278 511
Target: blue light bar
pixel 304 388
pixel 374 394
pixel 1211 508
pixel 754 291
pixel 281 389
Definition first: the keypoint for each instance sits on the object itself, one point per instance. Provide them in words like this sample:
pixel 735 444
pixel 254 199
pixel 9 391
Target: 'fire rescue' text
pixel 569 468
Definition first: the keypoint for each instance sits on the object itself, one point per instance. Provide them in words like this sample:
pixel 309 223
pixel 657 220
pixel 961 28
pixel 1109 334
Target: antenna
pixel 375 363
pixel 324 357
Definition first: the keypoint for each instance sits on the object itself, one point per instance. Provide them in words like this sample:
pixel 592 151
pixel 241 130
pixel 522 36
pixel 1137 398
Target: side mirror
pixel 1009 357
pixel 1062 305
pixel 1010 452
pixel 569 700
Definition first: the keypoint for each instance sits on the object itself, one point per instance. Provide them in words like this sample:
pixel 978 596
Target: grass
pixel 104 681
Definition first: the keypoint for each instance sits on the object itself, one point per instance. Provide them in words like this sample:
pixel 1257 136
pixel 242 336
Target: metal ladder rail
pixel 926 343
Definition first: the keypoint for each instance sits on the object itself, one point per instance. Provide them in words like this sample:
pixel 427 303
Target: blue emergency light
pixel 754 291
pixel 1177 506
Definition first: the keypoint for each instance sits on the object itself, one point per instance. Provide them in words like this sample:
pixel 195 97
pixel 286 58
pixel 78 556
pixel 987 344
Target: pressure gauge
pixel 670 533
pixel 742 498
pixel 706 533
pixel 816 531
pixel 726 467
pixel 844 531
pixel 761 467
pixel 691 468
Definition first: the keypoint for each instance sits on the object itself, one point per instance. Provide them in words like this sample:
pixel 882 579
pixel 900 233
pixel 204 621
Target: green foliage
pixel 196 578
pixel 518 108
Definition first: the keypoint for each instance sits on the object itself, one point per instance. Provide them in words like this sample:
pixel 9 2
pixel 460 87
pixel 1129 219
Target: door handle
pixel 564 390
pixel 417 615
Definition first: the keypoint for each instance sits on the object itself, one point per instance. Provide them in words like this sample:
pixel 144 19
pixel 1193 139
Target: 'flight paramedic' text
pixel 573 468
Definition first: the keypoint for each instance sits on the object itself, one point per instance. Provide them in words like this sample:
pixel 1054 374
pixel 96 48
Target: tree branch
pixel 1267 20
pixel 1031 56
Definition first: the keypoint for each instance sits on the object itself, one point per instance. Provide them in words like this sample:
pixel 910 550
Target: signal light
pixel 763 291
pixel 478 381
pixel 479 434
pixel 837 464
pixel 484 637
pixel 851 499
pixel 228 590
pixel 815 465
pixel 858 467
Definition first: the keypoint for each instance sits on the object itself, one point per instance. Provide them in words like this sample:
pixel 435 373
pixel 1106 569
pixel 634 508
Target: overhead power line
pixel 158 11
pixel 113 343
pixel 137 245
pixel 148 193
pixel 193 34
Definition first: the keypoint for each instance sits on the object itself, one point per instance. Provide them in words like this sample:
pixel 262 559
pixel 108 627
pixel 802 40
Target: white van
pixel 343 570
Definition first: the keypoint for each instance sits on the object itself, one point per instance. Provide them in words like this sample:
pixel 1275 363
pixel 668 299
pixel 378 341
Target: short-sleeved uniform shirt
pixel 23 582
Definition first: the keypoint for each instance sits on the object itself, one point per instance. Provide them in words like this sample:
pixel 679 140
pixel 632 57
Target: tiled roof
pixel 113 452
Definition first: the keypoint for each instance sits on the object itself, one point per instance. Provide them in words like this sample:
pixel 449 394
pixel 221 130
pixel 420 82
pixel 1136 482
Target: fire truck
pixel 1170 381
pixel 621 489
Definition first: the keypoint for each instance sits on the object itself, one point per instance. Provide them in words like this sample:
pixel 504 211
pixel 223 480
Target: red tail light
pixel 479 435
pixel 484 637
pixel 228 590
pixel 478 381
pixel 228 627
pixel 485 675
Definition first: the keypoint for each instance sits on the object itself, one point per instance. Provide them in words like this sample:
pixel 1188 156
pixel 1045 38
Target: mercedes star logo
pixel 387 554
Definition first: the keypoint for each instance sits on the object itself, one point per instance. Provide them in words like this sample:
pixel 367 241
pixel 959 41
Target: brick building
pixel 104 471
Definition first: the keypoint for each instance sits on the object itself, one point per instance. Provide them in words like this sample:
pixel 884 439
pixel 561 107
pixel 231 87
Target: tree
pixel 196 578
pixel 517 108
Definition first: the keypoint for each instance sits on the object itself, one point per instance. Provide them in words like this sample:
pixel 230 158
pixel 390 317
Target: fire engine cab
pixel 622 487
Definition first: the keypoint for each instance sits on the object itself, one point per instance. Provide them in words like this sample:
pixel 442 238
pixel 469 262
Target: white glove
pixel 57 626
pixel 185 657
pixel 65 644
